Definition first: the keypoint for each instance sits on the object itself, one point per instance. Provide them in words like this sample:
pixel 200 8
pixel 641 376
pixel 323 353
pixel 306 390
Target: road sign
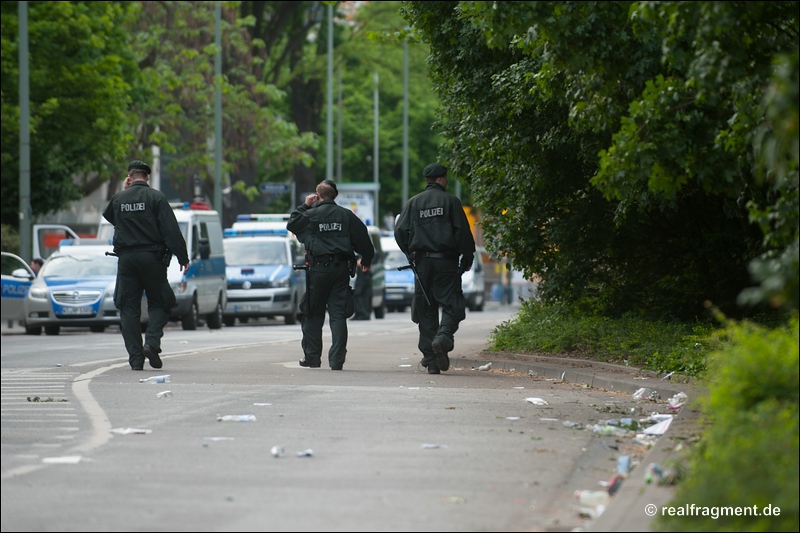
pixel 273 188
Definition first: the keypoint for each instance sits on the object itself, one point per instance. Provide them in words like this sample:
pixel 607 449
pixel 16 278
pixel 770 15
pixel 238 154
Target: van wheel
pixel 33 330
pixel 190 320
pixel 52 330
pixel 229 321
pixel 380 311
pixel 214 319
pixel 291 318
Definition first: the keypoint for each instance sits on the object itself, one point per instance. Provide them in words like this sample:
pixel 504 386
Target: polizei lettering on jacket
pixel 330 226
pixel 431 212
pixel 140 206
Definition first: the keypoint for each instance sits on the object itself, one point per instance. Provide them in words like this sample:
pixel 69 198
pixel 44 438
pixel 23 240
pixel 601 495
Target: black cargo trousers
pixel 137 273
pixel 330 290
pixel 441 280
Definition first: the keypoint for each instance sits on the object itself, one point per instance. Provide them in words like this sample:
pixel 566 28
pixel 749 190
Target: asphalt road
pixel 380 446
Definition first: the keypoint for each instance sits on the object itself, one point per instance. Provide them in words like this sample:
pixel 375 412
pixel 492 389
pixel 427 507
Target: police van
pixel 202 292
pixel 378 276
pixel 260 254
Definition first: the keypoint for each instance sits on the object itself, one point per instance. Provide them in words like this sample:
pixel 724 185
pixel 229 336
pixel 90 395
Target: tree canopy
pixel 81 72
pixel 110 81
pixel 631 154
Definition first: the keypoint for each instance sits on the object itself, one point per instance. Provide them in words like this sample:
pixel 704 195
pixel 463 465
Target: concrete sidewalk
pixel 637 502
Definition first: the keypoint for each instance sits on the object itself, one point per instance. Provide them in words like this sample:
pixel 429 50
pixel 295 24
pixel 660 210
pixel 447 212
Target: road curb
pixel 628 509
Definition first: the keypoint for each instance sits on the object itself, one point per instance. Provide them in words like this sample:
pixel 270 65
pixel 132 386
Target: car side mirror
pixel 21 273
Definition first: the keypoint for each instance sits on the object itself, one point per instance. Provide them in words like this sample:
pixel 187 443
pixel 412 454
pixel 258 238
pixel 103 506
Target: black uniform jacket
pixel 328 228
pixel 434 221
pixel 143 220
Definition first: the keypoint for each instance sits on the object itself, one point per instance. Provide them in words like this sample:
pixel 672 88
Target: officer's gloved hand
pixel 464 266
pixel 412 256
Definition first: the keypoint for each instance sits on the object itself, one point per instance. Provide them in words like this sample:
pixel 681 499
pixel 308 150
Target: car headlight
pixel 281 283
pixel 38 293
pixel 179 287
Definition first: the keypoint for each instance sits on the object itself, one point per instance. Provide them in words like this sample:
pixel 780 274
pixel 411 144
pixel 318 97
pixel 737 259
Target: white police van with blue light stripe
pixel 260 253
pixel 201 292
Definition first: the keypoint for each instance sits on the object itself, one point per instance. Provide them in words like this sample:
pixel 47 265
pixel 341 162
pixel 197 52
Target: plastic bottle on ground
pixel 155 379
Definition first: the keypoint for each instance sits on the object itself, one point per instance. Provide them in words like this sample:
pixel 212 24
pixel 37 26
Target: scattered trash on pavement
pixel 65 460
pixel 678 400
pixel 164 394
pixel 536 401
pixel 487 366
pixel 595 500
pixel 624 465
pixel 653 471
pixel 131 431
pixel 645 394
pixel 306 453
pixel 276 451
pixel 236 418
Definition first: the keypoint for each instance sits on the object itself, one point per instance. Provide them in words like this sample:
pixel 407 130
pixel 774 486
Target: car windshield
pixel 395 258
pixel 245 252
pixel 67 266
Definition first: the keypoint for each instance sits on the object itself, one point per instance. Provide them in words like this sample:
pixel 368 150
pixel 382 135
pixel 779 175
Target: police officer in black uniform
pixel 330 233
pixel 146 235
pixel 434 232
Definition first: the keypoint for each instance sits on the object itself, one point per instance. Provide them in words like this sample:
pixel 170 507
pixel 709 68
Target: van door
pixel 209 254
pixel 47 237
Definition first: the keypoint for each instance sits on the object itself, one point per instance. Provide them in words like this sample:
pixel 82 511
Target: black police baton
pixel 421 286
pixel 305 266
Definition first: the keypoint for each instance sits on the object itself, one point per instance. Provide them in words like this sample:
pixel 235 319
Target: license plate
pixel 391 296
pixel 247 308
pixel 77 311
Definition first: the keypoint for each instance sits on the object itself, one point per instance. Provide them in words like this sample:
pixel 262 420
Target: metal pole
pixel 375 168
pixel 405 122
pixel 329 132
pixel 339 133
pixel 24 138
pixel 218 110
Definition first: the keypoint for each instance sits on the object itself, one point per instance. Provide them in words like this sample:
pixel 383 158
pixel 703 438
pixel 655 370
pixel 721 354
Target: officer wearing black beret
pixel 331 234
pixel 434 232
pixel 146 235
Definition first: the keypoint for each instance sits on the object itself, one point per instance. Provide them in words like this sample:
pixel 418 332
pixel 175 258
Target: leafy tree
pixel 174 42
pixel 81 69
pixel 610 144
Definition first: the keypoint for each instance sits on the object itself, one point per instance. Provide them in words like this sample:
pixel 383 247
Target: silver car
pixel 74 288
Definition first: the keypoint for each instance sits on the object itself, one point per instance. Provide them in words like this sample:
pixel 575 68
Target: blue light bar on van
pixel 263 217
pixel 85 242
pixel 231 232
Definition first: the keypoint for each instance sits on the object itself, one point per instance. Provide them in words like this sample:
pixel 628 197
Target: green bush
pixel 629 340
pixel 748 453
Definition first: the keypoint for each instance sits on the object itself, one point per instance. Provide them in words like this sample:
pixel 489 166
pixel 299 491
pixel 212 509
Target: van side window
pixel 195 243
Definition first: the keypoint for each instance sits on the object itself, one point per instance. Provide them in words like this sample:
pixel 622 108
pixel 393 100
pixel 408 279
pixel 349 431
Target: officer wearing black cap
pixel 331 233
pixel 434 232
pixel 146 235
